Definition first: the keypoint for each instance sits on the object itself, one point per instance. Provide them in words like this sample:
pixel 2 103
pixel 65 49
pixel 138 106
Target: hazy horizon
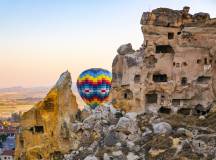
pixel 42 39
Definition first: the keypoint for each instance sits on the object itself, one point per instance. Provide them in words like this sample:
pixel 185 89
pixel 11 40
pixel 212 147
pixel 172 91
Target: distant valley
pixel 20 99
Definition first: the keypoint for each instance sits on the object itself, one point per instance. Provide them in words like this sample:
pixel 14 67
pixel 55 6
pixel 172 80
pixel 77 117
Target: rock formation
pixel 174 70
pixel 45 129
pixel 109 134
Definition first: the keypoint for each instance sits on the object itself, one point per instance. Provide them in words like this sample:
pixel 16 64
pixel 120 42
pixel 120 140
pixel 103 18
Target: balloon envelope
pixel 94 86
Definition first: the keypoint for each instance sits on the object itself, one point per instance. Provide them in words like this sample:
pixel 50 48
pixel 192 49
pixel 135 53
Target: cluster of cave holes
pixel 177 65
pixel 205 62
pixel 37 129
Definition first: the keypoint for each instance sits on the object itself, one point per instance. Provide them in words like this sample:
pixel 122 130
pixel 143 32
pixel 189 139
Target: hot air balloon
pixel 94 86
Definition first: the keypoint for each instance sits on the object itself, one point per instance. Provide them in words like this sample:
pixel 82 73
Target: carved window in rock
pixel 206 61
pixel 164 49
pixel 151 98
pixel 184 81
pixel 160 78
pixel 137 78
pixel 37 129
pixel 164 110
pixel 178 33
pixel 203 79
pixel 170 35
pixel 128 94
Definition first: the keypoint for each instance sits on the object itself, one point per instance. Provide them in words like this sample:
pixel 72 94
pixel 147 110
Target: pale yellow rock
pixel 156 152
pixel 176 142
pixel 45 129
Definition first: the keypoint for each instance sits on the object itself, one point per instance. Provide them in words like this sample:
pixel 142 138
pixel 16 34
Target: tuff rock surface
pixel 55 129
pixel 174 70
pixel 45 129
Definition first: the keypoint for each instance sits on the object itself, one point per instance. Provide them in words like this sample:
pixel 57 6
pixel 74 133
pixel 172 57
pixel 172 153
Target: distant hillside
pixel 21 99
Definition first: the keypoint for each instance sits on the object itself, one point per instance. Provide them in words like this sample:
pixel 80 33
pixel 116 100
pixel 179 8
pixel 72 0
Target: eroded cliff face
pixel 45 129
pixel 174 70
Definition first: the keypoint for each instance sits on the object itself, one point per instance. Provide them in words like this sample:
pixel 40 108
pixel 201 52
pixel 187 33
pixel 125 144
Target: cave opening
pixel 184 81
pixel 160 78
pixel 170 35
pixel 203 79
pixel 164 49
pixel 151 98
pixel 164 110
pixel 39 129
pixel 137 78
pixel 199 61
pixel 128 94
pixel 206 61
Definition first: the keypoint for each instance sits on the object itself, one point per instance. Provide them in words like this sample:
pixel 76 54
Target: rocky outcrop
pixel 132 136
pixel 125 49
pixel 174 70
pixel 45 129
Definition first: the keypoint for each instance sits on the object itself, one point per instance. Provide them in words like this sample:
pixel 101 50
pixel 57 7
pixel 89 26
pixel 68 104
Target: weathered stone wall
pixel 45 129
pixel 173 69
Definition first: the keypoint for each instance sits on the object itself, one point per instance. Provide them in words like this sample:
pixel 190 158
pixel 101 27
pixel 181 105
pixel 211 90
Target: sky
pixel 40 39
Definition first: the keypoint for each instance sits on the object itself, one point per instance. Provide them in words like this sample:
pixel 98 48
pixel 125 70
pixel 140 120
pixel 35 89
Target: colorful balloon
pixel 94 86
